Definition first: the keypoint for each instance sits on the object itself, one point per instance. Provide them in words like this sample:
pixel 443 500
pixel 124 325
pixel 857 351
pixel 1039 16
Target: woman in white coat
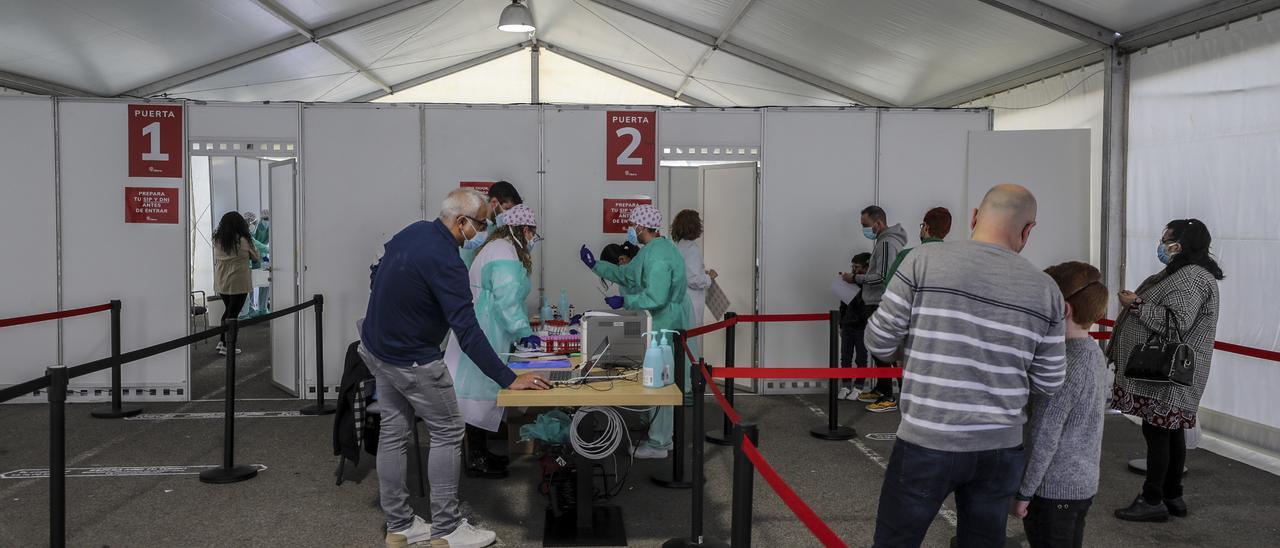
pixel 499 278
pixel 686 228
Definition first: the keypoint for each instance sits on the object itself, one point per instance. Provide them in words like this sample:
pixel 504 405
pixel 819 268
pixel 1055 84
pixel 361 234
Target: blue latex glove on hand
pixel 587 257
pixel 532 341
pixel 615 302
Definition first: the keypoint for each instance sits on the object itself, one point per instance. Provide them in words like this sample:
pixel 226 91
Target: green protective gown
pixel 263 233
pixel 501 313
pixel 263 251
pixel 657 274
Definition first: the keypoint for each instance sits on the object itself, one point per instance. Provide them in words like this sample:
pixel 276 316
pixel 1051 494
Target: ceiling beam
pixel 1195 20
pixel 739 11
pixel 614 71
pixel 441 73
pixel 745 53
pixel 1066 62
pixel 292 41
pixel 1056 19
pixel 300 26
pixel 39 87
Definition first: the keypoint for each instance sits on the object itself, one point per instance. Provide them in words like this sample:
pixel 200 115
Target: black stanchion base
pixel 606 528
pixel 839 433
pixel 1139 466
pixel 316 409
pixel 671 483
pixel 116 413
pixel 719 438
pixel 228 475
pixel 692 543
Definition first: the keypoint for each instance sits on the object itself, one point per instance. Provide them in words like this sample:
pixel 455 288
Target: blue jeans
pixel 919 479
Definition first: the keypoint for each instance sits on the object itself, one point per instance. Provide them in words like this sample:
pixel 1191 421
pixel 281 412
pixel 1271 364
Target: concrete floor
pixel 295 502
pixel 253 367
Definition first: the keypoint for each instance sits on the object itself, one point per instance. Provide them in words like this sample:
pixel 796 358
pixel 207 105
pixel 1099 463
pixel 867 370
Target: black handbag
pixel 1163 358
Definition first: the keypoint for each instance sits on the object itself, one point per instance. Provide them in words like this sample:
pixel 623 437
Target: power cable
pixel 1054 100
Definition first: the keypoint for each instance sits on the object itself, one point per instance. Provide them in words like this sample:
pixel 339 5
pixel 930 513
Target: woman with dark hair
pixel 1185 291
pixel 233 251
pixel 686 228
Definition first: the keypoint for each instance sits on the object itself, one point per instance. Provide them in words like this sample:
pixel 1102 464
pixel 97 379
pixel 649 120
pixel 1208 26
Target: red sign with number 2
pixel 155 141
pixel 631 149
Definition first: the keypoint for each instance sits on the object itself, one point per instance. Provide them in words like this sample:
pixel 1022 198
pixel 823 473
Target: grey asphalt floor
pixel 253 367
pixel 294 502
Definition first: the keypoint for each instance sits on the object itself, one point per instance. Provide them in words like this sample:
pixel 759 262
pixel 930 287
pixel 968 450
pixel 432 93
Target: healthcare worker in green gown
pixel 658 274
pixel 253 307
pixel 502 197
pixel 499 279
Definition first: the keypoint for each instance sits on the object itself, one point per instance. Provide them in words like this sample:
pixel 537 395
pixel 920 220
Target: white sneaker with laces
pixel 843 394
pixel 648 452
pixel 418 531
pixel 469 536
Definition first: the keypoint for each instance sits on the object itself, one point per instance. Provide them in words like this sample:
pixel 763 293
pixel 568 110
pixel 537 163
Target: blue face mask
pixel 476 241
pixel 869 233
pixel 632 238
pixel 498 221
pixel 1162 254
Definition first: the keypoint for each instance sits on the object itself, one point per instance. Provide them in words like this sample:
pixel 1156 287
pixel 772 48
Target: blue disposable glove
pixel 587 257
pixel 532 341
pixel 577 319
pixel 615 302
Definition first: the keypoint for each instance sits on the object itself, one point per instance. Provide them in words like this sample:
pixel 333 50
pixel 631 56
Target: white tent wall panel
pixel 575 192
pixel 255 123
pixel 103 258
pixel 818 171
pixel 361 184
pixel 923 160
pixel 248 185
pixel 507 151
pixel 1204 142
pixel 29 274
pixel 1066 101
pixel 711 127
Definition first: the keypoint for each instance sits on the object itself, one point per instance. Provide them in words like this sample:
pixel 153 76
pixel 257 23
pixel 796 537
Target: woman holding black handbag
pixel 1164 328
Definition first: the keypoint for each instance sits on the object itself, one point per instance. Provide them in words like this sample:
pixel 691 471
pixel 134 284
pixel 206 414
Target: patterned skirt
pixel 1154 411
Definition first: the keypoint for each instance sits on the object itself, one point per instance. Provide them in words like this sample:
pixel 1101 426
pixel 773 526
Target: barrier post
pixel 677 480
pixel 117 406
pixel 730 344
pixel 743 474
pixel 699 415
pixel 229 472
pixel 320 407
pixel 57 396
pixel 832 430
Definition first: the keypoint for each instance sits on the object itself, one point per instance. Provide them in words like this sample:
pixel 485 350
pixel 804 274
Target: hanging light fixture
pixel 516 18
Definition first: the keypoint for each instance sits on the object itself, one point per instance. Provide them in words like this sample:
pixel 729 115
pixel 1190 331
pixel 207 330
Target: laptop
pixel 574 377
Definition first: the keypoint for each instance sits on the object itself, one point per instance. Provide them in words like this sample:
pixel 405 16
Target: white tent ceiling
pixel 717 52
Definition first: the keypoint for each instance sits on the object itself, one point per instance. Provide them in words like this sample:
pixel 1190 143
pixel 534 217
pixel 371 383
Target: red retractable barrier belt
pixel 762 318
pixel 19 320
pixel 1248 351
pixel 729 411
pixel 793 501
pixel 807 373
pixel 698 331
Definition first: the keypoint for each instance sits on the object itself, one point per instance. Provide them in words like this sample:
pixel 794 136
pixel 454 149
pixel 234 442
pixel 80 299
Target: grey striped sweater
pixel 979 328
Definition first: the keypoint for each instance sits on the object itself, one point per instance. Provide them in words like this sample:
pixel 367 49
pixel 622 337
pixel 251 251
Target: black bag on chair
pixel 1164 358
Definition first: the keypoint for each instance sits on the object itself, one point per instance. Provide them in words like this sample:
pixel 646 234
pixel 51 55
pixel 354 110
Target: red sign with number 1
pixel 632 145
pixel 155 141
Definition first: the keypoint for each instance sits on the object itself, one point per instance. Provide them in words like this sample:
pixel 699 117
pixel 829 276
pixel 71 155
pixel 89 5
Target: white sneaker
pixel 843 394
pixel 418 531
pixel 648 452
pixel 468 536
pixel 222 350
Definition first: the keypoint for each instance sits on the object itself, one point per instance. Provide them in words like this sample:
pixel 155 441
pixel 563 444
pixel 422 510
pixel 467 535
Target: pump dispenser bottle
pixel 652 370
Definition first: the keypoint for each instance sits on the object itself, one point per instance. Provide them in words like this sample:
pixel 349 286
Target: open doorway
pixel 725 196
pixel 262 190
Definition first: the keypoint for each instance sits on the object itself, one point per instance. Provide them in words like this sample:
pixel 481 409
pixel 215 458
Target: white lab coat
pixel 699 281
pixel 479 413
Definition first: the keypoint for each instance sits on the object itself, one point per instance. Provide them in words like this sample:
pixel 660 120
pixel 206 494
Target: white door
pixel 727 200
pixel 284 275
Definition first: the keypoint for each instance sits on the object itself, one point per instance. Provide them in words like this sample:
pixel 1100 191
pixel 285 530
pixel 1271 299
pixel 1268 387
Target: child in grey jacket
pixel 1061 477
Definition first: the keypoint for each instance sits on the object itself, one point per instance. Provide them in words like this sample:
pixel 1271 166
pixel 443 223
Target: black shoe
pixel 1141 511
pixel 501 460
pixel 1177 507
pixel 479 466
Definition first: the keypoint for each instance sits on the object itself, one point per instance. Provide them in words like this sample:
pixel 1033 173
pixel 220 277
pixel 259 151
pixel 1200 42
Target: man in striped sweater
pixel 978 327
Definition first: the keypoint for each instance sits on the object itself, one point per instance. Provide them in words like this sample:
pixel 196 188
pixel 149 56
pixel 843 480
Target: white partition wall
pixel 818 172
pixel 575 193
pixel 922 165
pixel 143 265
pixel 361 182
pixel 251 123
pixel 29 273
pixel 709 127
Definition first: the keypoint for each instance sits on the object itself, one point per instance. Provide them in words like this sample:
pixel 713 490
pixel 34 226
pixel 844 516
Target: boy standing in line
pixel 853 324
pixel 1066 427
